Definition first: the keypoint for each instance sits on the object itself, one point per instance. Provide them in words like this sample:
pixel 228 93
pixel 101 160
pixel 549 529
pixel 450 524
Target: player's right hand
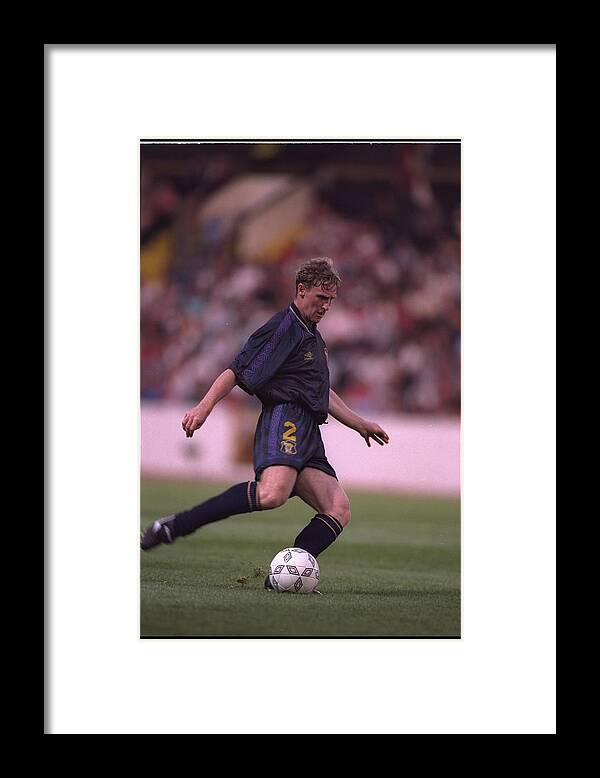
pixel 193 420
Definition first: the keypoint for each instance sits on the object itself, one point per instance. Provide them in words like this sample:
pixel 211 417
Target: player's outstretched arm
pixel 196 417
pixel 366 429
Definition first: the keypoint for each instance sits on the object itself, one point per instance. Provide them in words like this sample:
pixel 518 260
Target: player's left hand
pixel 372 430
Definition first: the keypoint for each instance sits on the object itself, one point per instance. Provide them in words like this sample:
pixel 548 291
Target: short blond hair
pixel 317 272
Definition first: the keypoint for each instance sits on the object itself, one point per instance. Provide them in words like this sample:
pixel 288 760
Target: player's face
pixel 316 301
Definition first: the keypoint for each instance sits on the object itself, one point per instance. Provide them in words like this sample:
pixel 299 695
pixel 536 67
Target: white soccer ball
pixel 294 570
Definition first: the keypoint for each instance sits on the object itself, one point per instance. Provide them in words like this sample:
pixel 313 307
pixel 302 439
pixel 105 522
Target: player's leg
pixel 325 495
pixel 241 498
pixel 275 486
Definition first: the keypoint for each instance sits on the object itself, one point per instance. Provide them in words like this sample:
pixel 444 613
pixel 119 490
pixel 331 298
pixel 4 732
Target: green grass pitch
pixel 394 571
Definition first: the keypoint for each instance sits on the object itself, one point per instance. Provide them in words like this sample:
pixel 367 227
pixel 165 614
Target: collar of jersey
pixel 301 319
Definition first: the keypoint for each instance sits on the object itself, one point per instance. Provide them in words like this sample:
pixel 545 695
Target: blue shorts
pixel 288 434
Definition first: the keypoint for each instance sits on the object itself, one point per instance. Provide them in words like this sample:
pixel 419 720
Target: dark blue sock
pixel 241 498
pixel 319 534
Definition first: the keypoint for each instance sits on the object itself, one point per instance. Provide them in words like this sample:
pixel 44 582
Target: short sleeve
pixel 265 352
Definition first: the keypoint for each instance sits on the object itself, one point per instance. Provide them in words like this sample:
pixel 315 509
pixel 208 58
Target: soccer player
pixel 283 363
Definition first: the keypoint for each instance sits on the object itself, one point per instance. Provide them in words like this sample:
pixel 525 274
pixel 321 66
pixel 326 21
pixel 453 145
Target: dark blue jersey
pixel 285 360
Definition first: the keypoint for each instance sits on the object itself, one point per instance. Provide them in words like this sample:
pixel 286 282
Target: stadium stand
pixel 224 226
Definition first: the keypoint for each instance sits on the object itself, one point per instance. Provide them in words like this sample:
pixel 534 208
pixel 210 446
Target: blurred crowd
pixel 393 334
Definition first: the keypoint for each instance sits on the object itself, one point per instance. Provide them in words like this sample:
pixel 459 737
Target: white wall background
pixel 423 455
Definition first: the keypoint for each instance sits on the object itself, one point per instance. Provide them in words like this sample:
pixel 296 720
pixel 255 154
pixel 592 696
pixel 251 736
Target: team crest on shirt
pixel 288 440
pixel 308 356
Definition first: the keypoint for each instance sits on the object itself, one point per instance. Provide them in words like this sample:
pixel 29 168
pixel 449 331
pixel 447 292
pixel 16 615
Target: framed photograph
pixel 346 253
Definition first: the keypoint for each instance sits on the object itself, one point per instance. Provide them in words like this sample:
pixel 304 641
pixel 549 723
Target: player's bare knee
pixel 271 496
